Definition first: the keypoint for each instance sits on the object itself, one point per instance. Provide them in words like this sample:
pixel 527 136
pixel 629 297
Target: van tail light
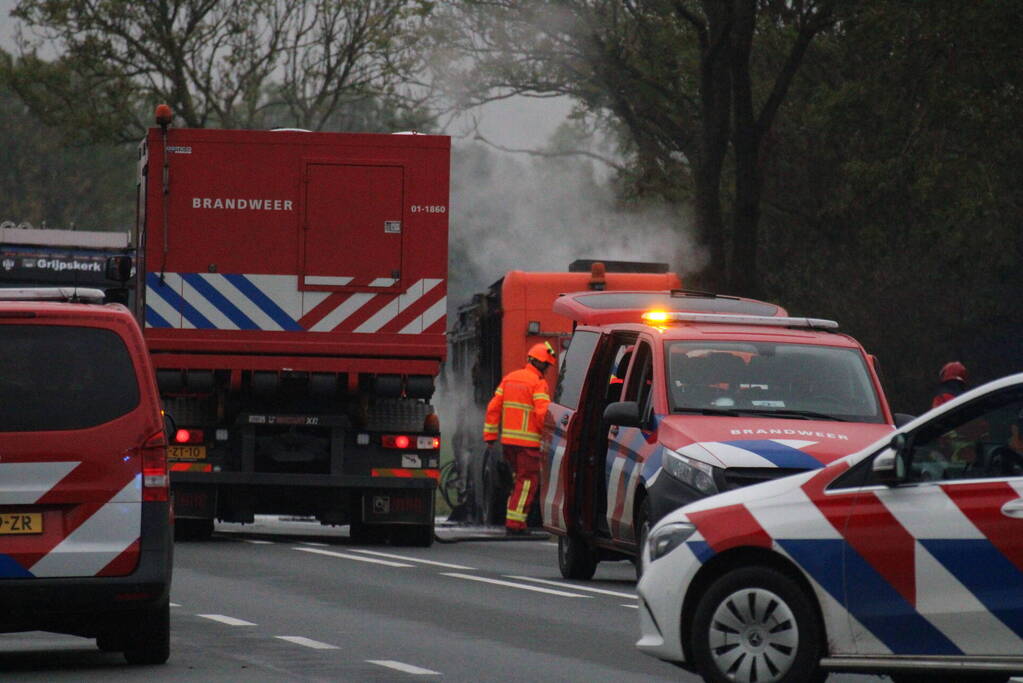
pixel 155 480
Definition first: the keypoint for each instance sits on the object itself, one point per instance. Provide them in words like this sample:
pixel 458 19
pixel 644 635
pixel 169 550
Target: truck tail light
pixel 425 443
pixel 155 480
pixel 395 441
pixel 188 436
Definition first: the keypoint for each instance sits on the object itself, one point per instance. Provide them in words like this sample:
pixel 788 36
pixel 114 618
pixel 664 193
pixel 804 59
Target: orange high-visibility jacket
pixel 518 408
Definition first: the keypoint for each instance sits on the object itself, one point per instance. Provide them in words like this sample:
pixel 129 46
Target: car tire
pixel 948 678
pixel 148 640
pixel 576 559
pixel 642 526
pixel 733 639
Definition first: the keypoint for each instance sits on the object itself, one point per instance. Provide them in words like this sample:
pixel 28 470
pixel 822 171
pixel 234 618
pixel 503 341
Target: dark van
pixel 85 520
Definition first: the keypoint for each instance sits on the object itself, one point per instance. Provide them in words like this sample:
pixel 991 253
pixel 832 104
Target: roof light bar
pixel 662 317
pixel 71 294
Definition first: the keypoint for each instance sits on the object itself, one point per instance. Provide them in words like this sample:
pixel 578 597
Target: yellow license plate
pixel 21 523
pixel 186 452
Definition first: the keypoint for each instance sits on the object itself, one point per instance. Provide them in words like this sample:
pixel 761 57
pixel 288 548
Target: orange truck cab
pixel 490 338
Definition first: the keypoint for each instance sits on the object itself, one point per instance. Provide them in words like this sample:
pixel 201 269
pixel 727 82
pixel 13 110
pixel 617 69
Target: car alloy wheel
pixel 753 635
pixel 756 625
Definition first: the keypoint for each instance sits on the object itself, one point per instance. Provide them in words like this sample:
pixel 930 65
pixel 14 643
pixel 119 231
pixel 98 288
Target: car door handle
pixel 564 419
pixel 1014 508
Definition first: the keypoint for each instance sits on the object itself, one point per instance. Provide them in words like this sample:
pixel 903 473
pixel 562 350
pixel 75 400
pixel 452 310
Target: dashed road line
pixel 230 621
pixel 347 556
pixel 402 666
pixel 308 642
pixel 602 591
pixel 256 541
pixel 433 563
pixel 521 586
pixel 314 543
pixel 630 606
pixel 174 604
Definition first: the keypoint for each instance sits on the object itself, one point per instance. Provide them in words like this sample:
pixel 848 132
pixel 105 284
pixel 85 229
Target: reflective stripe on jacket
pixel 517 410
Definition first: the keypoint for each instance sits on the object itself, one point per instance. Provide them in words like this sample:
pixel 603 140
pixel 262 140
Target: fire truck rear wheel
pixel 420 536
pixel 367 534
pixel 576 559
pixel 193 529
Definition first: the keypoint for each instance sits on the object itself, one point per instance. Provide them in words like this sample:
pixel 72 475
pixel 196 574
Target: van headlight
pixel 690 471
pixel 663 540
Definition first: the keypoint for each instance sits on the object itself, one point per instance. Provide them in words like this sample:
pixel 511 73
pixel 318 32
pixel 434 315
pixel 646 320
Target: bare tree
pixel 225 63
pixel 671 77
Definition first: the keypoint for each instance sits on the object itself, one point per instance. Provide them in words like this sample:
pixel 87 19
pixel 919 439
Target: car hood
pixel 766 442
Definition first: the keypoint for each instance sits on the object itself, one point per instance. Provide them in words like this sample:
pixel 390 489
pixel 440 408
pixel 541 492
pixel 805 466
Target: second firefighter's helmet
pixel 543 352
pixel 951 371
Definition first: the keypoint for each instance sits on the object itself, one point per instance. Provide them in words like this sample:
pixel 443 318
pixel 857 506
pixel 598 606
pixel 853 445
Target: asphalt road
pixel 287 600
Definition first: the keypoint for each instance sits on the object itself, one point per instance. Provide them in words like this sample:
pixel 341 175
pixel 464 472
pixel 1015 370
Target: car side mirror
pixel 118 268
pixel 890 464
pixel 623 413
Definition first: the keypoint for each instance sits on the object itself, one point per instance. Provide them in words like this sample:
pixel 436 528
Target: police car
pixel 905 558
pixel 85 522
pixel 667 397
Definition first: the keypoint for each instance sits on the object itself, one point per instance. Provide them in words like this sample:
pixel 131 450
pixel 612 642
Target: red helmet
pixel 543 352
pixel 953 370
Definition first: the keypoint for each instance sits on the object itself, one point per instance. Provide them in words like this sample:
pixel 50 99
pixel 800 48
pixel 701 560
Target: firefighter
pixel 953 382
pixel 515 415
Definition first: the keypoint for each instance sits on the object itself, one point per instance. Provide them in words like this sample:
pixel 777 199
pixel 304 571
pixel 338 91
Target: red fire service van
pixel 666 397
pixel 292 287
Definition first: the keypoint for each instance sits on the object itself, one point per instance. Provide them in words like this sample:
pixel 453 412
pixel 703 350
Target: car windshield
pixel 797 381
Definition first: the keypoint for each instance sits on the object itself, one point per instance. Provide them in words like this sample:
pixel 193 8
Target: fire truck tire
pixel 576 559
pixel 367 534
pixel 148 641
pixel 419 536
pixel 193 529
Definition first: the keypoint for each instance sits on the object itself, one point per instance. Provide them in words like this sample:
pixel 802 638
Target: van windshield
pixel 785 380
pixel 63 377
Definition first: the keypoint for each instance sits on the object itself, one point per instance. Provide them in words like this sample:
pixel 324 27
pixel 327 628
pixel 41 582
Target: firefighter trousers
pixel 525 463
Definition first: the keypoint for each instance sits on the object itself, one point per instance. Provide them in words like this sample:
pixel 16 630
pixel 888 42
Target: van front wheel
pixel 576 559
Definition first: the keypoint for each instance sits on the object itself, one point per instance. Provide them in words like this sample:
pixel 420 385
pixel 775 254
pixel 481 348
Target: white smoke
pixel 514 212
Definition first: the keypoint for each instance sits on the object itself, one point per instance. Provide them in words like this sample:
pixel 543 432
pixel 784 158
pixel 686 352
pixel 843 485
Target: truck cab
pixel 667 397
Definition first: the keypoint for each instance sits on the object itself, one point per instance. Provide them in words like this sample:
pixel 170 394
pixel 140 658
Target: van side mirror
pixel 119 268
pixel 623 413
pixel 890 464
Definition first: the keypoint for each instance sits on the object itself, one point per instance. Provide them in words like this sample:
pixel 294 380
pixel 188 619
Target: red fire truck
pixel 292 289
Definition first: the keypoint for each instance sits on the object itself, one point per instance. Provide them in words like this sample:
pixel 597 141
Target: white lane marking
pixel 402 666
pixel 414 559
pixel 631 606
pixel 522 586
pixel 602 591
pixel 318 545
pixel 256 541
pixel 230 621
pixel 174 604
pixel 308 642
pixel 346 556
